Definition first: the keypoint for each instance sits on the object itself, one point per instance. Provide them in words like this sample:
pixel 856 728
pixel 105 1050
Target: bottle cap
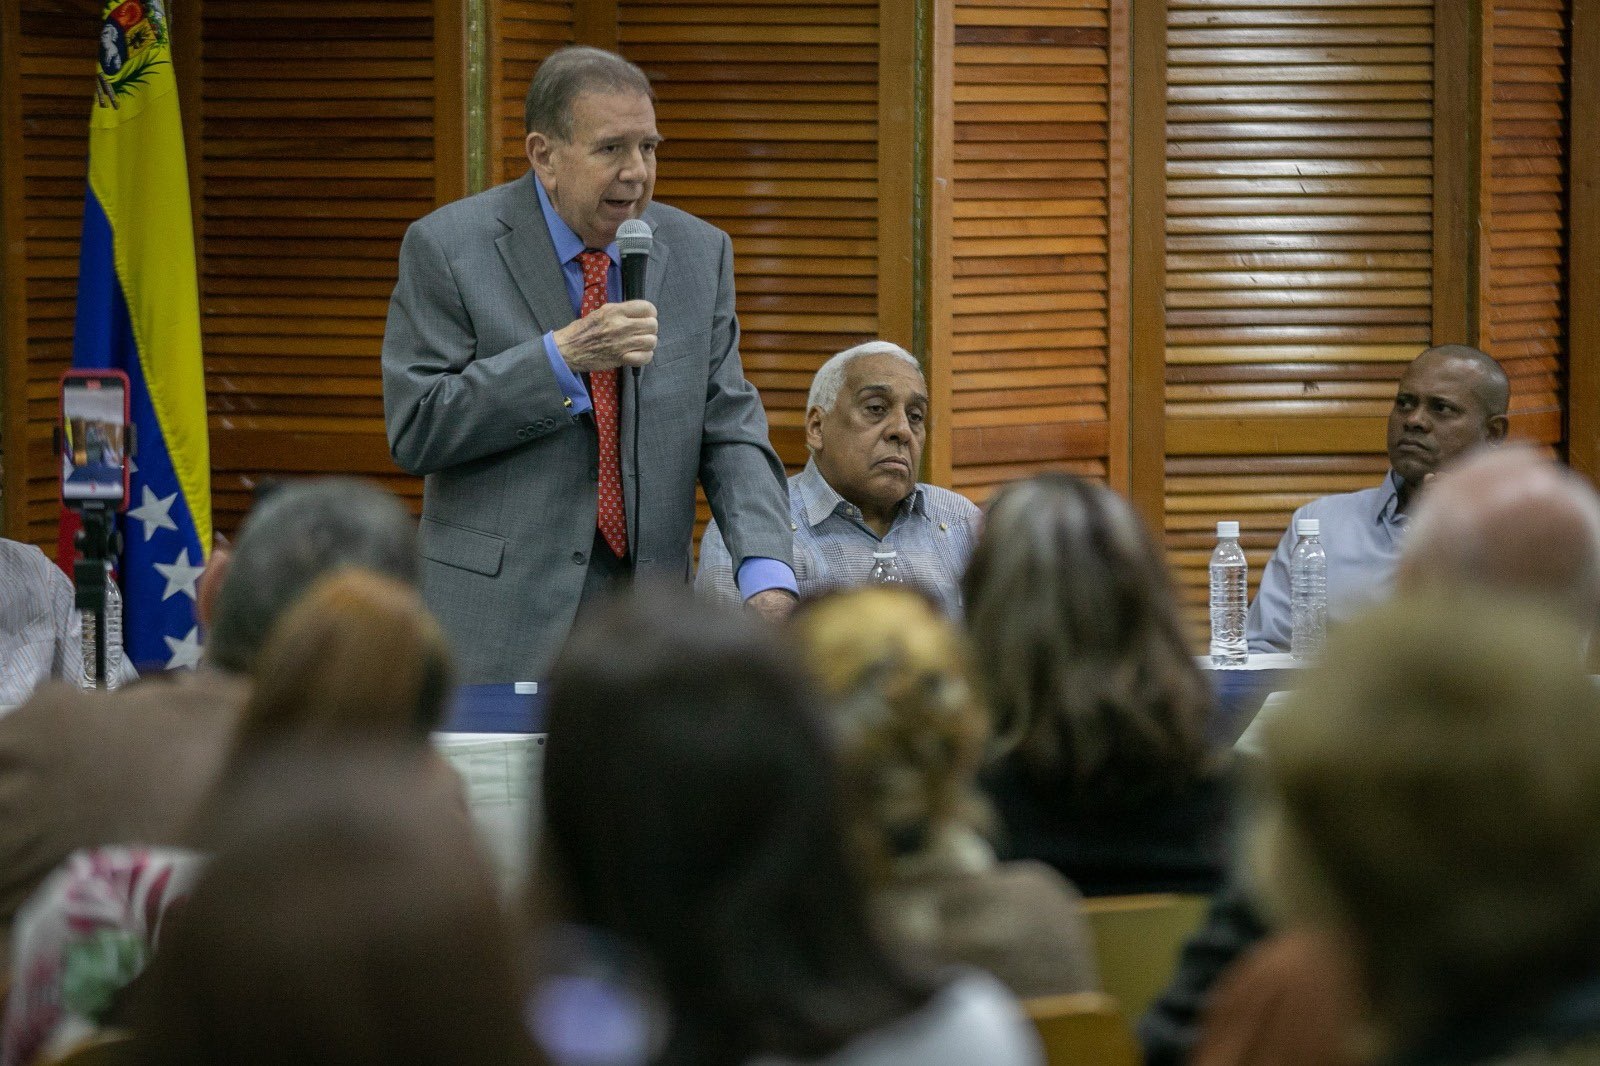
pixel 1308 527
pixel 1227 529
pixel 885 555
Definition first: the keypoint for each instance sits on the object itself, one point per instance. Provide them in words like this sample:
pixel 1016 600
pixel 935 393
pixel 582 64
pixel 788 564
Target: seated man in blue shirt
pixel 866 421
pixel 1450 399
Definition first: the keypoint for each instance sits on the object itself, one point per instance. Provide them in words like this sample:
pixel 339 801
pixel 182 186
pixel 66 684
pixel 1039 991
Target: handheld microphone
pixel 634 241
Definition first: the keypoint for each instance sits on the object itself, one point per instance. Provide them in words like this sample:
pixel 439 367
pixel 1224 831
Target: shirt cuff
pixel 570 384
pixel 759 574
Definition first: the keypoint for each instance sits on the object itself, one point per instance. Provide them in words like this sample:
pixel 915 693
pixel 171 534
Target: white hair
pixel 830 376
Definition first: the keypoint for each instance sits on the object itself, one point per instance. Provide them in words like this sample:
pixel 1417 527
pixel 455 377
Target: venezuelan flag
pixel 138 310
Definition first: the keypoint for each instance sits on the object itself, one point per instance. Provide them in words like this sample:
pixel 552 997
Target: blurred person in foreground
pixel 1451 399
pixel 1505 520
pixel 79 769
pixel 866 423
pixel 357 660
pixel 692 816
pixel 911 733
pixel 1435 810
pixel 1100 708
pixel 346 920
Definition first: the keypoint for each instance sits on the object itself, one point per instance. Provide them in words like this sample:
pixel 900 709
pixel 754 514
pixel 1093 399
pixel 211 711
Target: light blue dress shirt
pixel 755 574
pixel 933 534
pixel 1361 533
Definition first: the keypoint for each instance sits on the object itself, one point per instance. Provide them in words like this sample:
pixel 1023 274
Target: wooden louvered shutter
pixel 770 114
pixel 1030 246
pixel 1522 306
pixel 1299 255
pixel 319 144
pixel 523 34
pixel 51 87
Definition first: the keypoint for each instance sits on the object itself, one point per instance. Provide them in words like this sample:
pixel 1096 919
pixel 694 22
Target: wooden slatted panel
pixel 770 118
pixel 318 151
pixel 1522 305
pixel 1299 255
pixel 524 33
pixel 1038 237
pixel 57 67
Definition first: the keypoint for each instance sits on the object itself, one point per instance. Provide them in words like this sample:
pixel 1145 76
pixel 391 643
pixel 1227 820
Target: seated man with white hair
pixel 866 422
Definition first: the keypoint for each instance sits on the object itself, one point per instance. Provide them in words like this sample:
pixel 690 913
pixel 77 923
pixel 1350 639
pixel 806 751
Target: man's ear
pixel 814 428
pixel 538 148
pixel 205 602
pixel 1499 426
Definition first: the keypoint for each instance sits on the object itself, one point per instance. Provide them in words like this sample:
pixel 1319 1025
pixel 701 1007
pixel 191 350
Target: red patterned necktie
pixel 603 395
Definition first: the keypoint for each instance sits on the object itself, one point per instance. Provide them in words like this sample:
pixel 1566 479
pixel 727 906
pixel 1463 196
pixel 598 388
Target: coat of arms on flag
pixel 138 311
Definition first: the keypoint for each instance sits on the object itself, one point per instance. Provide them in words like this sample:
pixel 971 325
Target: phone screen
pixel 94 437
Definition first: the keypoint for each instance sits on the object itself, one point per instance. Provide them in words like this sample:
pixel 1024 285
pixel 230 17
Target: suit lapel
pixel 530 255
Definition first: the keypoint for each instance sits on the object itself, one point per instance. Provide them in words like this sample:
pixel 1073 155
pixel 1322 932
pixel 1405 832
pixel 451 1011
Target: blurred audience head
pixel 1509 520
pixel 357 657
pixel 294 536
pixel 345 919
pixel 691 810
pixel 907 721
pixel 1079 647
pixel 1437 794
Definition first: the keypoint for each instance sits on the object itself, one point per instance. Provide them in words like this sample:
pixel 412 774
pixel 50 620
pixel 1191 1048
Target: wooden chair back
pixel 1083 1029
pixel 1137 940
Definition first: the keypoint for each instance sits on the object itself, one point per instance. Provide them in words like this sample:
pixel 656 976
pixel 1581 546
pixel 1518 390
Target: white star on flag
pixel 180 576
pixel 154 513
pixel 185 652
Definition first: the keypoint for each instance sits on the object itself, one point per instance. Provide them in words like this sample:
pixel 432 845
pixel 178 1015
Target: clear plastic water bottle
pixel 114 652
pixel 1230 595
pixel 1308 590
pixel 886 568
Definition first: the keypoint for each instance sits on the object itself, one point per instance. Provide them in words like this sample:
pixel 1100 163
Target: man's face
pixel 605 172
pixel 1437 415
pixel 869 445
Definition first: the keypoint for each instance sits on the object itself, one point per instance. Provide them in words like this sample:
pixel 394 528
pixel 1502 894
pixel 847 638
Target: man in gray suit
pixel 517 383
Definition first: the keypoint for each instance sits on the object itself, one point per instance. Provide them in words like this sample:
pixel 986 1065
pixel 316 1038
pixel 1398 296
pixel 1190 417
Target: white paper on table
pixel 499 772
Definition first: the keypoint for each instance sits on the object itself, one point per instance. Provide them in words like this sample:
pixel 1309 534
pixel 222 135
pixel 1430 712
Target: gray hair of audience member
pixel 567 74
pixel 292 538
pixel 1434 792
pixel 829 379
pixel 1509 519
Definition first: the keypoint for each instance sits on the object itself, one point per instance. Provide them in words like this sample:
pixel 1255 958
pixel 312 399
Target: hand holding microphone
pixel 614 335
pixel 621 334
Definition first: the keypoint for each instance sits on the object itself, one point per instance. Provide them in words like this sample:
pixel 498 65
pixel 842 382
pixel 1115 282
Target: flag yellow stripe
pixel 137 171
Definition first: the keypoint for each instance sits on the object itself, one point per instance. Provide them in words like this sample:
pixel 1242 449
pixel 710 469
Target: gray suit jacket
pixel 509 501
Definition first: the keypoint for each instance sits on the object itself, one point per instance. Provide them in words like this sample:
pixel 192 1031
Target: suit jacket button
pixel 529 430
pixel 522 434
pixel 577 557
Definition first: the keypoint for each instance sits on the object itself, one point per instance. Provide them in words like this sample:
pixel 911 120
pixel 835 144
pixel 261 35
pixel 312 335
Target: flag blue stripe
pixel 103 339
